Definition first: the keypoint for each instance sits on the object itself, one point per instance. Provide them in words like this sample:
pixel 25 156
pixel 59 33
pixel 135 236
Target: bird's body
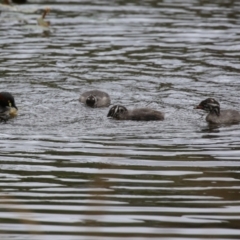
pixel 139 114
pixel 95 99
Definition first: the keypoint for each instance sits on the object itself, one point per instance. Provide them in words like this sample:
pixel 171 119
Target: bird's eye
pixel 9 104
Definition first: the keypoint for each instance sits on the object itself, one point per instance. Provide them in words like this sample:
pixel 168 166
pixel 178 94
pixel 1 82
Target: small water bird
pixel 138 114
pixel 217 116
pixel 8 108
pixel 95 99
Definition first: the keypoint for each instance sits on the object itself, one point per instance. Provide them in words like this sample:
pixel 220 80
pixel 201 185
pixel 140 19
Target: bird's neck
pixel 215 110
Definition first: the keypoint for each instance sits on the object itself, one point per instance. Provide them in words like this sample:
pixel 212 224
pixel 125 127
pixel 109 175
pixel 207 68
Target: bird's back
pixel 225 117
pixel 144 114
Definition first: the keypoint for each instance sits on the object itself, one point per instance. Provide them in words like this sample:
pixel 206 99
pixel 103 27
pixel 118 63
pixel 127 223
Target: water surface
pixel 69 172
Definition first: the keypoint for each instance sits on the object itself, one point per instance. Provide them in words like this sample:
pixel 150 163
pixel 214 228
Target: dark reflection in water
pixel 69 172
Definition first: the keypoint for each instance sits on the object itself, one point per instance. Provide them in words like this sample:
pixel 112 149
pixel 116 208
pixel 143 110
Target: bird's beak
pixel 198 107
pixel 13 111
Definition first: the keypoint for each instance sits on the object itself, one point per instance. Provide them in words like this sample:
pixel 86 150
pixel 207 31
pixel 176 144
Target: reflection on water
pixel 69 172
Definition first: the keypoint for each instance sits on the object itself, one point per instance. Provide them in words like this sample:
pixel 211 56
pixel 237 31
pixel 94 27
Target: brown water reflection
pixel 69 172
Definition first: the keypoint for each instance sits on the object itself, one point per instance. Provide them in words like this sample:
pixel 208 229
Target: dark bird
pixel 215 115
pixel 139 114
pixel 95 99
pixel 8 108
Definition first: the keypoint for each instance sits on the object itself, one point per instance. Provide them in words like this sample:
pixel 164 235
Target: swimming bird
pixel 95 99
pixel 138 114
pixel 217 116
pixel 8 108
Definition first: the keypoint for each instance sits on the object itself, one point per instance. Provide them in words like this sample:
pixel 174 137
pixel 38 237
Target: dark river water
pixel 67 172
